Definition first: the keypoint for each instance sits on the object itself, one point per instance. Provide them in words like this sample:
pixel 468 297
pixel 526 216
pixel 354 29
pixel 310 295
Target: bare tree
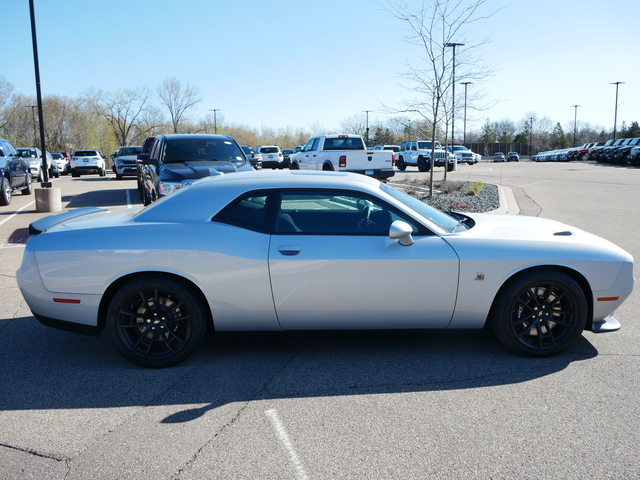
pixel 354 125
pixel 434 26
pixel 178 99
pixel 123 109
pixel 7 106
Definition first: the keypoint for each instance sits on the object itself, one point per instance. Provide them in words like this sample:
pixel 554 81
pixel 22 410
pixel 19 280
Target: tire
pixel 449 167
pixel 29 189
pixel 118 176
pixel 5 192
pixel 295 166
pixel 423 166
pixel 156 322
pixel 327 167
pixel 539 313
pixel 624 159
pixel 400 165
pixel 102 172
pixel 74 173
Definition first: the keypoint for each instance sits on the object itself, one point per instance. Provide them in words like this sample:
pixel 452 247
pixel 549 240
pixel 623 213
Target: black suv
pixel 178 160
pixel 14 173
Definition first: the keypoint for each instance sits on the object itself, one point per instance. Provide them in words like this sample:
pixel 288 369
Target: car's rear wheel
pixel 29 188
pixel 156 322
pixel 540 313
pixel 5 192
pixel 401 165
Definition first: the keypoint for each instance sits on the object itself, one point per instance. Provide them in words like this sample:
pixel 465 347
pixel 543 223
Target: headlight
pixel 166 188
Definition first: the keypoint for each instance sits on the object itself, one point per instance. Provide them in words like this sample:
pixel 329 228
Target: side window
pixel 312 145
pixel 153 153
pixel 334 213
pixel 249 211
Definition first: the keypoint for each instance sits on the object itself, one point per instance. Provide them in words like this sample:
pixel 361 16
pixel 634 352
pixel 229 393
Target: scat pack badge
pixel 480 277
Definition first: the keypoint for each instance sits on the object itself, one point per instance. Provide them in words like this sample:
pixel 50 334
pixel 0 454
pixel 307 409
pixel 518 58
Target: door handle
pixel 289 250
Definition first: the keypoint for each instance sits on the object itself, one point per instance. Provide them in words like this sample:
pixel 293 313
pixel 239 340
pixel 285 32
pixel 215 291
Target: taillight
pixel 393 159
pixel 342 162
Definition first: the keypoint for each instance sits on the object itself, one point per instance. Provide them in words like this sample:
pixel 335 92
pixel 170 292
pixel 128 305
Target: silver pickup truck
pixel 344 153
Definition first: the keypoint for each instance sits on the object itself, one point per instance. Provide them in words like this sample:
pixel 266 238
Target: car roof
pixel 216 191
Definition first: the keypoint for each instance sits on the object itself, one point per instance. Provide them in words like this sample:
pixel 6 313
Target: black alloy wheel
pixel 156 322
pixel 540 313
pixel 5 192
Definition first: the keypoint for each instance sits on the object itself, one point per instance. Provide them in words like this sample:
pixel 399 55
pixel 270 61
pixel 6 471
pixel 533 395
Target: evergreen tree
pixel 558 139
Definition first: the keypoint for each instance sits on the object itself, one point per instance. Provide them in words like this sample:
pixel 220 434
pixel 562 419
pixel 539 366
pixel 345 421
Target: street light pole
pixel 36 63
pixel 464 130
pixel 215 120
pixel 366 134
pixel 33 114
pixel 531 139
pixel 615 118
pixel 453 94
pixel 575 123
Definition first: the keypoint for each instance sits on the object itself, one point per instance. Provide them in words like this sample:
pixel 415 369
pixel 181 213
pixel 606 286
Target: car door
pixel 308 159
pixel 333 266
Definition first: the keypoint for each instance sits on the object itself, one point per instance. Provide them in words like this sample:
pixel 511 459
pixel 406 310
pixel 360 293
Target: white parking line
pixel 17 212
pixel 536 183
pixel 283 436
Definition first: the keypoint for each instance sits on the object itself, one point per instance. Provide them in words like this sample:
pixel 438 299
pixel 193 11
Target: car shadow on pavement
pixel 45 368
pixel 100 198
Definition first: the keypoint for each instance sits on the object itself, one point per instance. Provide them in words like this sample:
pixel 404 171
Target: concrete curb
pixel 508 202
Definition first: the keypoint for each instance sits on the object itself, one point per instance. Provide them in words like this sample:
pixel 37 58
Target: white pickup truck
pixel 418 153
pixel 344 153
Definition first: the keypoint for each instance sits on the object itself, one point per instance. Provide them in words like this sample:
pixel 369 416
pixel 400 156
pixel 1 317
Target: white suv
pixel 87 161
pixel 272 156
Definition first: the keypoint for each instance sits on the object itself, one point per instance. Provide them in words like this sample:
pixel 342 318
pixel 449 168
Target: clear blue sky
pixel 294 63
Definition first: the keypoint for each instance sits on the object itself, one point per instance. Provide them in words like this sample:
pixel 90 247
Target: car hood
pixel 177 172
pixel 519 231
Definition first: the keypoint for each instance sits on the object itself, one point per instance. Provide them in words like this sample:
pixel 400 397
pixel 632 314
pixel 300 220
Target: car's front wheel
pixel 5 191
pixel 540 313
pixel 156 322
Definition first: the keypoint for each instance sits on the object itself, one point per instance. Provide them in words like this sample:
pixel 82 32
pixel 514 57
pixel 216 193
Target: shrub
pixel 474 189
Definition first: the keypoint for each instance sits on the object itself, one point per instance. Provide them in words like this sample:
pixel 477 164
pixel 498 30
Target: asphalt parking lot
pixel 379 405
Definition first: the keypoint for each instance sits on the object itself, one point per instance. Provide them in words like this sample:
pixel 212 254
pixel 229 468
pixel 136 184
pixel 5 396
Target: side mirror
pixel 144 158
pixel 401 231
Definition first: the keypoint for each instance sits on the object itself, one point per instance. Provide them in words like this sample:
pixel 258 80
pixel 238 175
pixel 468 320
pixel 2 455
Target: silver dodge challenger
pixel 292 250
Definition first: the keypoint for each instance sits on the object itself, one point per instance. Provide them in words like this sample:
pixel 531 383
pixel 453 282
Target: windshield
pixel 343 143
pixel 129 151
pixel 202 150
pixel 268 149
pixel 441 219
pixel 428 145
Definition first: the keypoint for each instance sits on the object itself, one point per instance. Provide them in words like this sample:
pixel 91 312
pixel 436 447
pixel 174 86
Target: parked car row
pixel 623 151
